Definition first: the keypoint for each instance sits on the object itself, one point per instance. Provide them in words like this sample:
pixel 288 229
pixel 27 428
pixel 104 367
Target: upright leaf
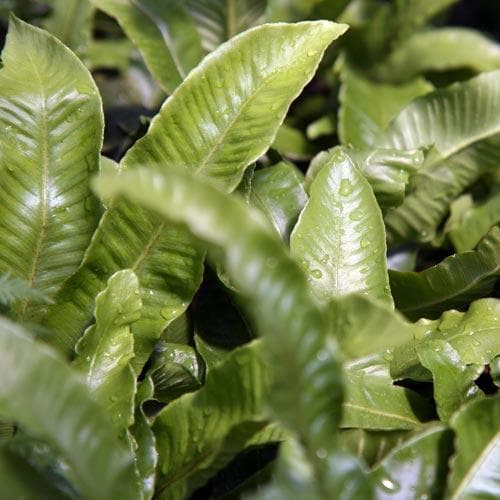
pixel 163 32
pixel 220 20
pixel 106 348
pixel 259 265
pixel 453 283
pixel 66 415
pixel 475 467
pixel 339 238
pixel 462 124
pixel 368 107
pixel 216 124
pixel 51 118
pixel 71 22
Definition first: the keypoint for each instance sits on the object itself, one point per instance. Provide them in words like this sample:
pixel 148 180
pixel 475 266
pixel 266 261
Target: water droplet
pixel 312 52
pixel 356 214
pixel 166 313
pixel 321 453
pixel 89 204
pixel 345 187
pixel 476 343
pixel 365 242
pixel 322 355
pixel 113 399
pixel 388 355
pixel 316 273
pixel 390 485
pixel 325 259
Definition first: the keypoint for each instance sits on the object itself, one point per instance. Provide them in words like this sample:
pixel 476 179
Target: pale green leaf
pixel 71 22
pixel 51 121
pixel 475 467
pixel 106 348
pixel 368 107
pixel 473 335
pixel 216 124
pixel 339 238
pixel 461 123
pixel 440 50
pixel 219 20
pixel 66 415
pixel 163 32
pixel 291 143
pixel 259 265
pixel 452 283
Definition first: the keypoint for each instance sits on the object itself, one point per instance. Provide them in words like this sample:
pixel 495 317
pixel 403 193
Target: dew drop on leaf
pixel 316 273
pixel 345 187
pixel 389 485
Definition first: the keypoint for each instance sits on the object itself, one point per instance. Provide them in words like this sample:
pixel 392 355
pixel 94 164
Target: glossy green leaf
pixel 387 170
pixel 364 326
pixel 473 335
pixel 368 107
pixel 216 124
pixel 475 467
pixel 259 265
pixel 175 370
pixel 66 415
pixel 475 223
pixel 452 283
pixel 51 121
pixel 219 20
pixel 440 50
pixel 71 22
pixel 462 124
pixel 453 380
pixel 373 402
pixel 212 355
pixel 278 191
pixel 106 348
pixel 191 430
pixel 339 237
pixel 417 468
pixel 163 32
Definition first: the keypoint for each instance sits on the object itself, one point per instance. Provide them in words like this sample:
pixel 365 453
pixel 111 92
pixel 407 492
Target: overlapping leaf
pixel 216 124
pixel 51 121
pixel 66 415
pixel 462 124
pixel 339 237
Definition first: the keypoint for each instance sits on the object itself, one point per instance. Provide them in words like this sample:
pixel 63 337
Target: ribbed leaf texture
pixel 52 123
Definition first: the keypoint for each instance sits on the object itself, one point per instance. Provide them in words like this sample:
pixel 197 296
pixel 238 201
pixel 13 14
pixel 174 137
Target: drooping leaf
pixel 453 283
pixel 259 265
pixel 278 191
pixel 387 170
pixel 440 50
pixel 66 415
pixel 216 124
pixel 453 380
pixel 219 20
pixel 368 107
pixel 339 237
pixel 417 468
pixel 163 32
pixel 462 124
pixel 373 402
pixel 106 348
pixel 473 335
pixel 71 22
pixel 51 121
pixel 474 224
pixel 475 467
pixel 191 430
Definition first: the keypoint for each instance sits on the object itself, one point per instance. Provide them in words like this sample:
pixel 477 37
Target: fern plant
pixel 283 285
